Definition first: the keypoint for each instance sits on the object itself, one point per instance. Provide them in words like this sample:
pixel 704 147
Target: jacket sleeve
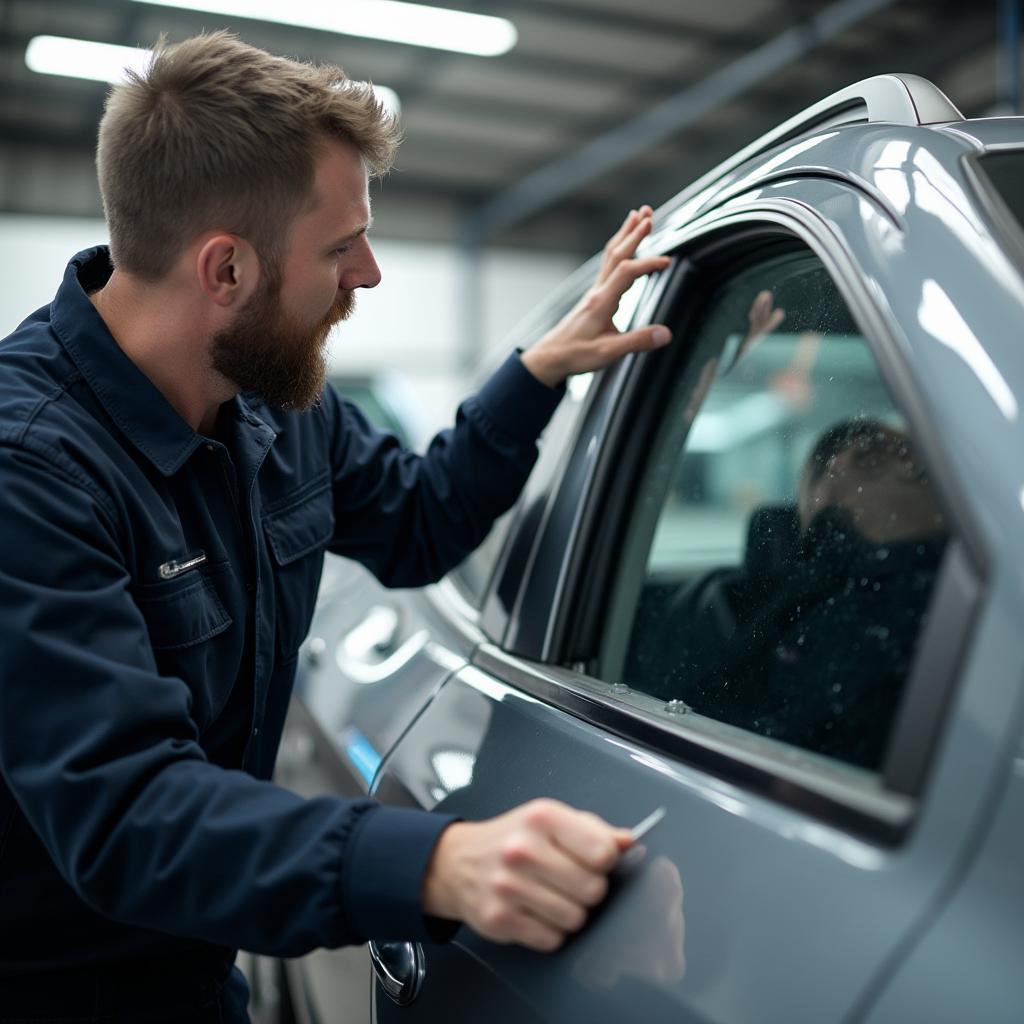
pixel 103 759
pixel 411 518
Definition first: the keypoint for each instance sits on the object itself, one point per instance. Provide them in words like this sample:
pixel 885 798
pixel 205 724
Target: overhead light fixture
pixel 105 62
pixel 80 58
pixel 392 20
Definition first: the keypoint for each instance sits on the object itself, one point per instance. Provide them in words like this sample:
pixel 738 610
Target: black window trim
pixel 956 598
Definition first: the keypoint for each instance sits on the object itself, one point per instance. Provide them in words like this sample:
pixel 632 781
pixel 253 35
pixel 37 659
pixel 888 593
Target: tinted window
pixel 1005 171
pixel 473 575
pixel 786 537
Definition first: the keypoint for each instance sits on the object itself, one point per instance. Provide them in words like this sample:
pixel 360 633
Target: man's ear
pixel 227 269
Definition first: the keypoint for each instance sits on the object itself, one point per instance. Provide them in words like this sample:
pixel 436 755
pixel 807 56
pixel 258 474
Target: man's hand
pixel 527 876
pixel 586 339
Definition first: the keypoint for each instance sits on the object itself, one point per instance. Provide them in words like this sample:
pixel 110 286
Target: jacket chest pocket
pixel 297 532
pixel 183 617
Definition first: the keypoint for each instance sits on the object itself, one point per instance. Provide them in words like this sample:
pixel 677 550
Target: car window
pixel 786 536
pixel 1004 169
pixel 474 573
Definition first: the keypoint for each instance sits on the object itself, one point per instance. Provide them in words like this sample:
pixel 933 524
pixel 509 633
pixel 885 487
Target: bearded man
pixel 172 469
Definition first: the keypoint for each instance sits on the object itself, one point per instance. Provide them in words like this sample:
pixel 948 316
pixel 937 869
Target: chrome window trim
pixel 840 794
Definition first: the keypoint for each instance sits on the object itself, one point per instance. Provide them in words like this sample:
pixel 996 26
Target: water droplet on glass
pixel 836 687
pixel 876 587
pixel 677 707
pixel 882 554
pixel 619 688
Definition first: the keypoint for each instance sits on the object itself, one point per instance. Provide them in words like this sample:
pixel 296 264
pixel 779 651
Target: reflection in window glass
pixel 788 536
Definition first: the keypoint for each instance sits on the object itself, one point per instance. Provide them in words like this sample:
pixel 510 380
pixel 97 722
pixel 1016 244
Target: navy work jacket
pixel 155 585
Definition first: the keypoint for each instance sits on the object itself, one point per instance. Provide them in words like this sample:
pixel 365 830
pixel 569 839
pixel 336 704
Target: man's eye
pixel 342 250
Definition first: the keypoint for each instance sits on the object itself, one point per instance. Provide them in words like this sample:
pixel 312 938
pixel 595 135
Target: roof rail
pixel 898 98
pixel 903 99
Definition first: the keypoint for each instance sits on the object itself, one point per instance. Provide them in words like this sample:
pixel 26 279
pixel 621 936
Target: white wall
pixel 409 323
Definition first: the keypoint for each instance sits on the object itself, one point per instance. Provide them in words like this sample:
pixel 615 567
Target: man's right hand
pixel 528 876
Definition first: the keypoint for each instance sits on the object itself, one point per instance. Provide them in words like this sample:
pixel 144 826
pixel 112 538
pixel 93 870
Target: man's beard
pixel 266 352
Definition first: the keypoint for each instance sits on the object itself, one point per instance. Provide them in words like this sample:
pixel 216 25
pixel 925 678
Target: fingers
pixel 619 279
pixel 549 871
pixel 643 339
pixel 633 218
pixel 760 307
pixel 623 244
pixel 585 837
pixel 564 874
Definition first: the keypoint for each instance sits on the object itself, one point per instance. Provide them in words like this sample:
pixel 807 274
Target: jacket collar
pixel 130 398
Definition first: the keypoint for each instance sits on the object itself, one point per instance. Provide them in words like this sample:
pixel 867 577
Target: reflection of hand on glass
pixel 763 317
pixel 696 400
pixel 650 913
pixel 794 382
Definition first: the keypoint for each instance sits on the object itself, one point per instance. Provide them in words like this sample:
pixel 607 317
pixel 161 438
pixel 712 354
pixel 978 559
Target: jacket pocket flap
pixel 301 528
pixel 181 615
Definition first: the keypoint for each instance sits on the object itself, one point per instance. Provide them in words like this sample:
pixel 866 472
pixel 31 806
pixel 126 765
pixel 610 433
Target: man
pixel 171 472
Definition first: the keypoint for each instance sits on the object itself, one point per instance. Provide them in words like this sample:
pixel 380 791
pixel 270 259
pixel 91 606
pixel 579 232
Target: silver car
pixel 770 580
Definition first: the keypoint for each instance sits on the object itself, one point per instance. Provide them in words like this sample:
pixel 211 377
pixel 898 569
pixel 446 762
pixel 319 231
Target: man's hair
pixel 868 434
pixel 218 134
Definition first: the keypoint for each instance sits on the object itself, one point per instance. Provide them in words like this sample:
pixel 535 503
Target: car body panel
pixel 968 957
pixel 746 865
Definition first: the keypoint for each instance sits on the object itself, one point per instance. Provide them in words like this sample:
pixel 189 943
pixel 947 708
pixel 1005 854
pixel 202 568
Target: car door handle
pixel 400 968
pixel 376 635
pixel 361 660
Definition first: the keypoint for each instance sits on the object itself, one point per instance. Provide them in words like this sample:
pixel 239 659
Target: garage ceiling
pixel 477 126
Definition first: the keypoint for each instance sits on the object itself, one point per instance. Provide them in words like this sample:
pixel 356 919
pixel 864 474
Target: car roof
pixel 898 99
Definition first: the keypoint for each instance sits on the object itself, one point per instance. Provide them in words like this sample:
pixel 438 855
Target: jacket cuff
pixel 383 877
pixel 516 402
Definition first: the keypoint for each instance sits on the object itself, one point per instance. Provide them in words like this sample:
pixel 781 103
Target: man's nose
pixel 363 273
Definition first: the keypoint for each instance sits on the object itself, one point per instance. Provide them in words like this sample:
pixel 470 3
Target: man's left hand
pixel 586 339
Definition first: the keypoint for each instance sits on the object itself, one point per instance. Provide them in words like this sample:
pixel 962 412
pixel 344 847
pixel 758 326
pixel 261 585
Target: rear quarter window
pixel 1003 171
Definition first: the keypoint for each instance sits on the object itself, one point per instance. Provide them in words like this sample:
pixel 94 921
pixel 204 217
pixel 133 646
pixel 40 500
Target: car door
pixel 749 604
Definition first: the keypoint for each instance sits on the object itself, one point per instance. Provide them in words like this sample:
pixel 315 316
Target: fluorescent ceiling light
pixel 79 58
pixel 392 20
pixel 104 62
pixel 389 98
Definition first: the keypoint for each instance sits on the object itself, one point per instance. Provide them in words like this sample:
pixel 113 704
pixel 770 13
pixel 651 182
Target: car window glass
pixel 473 574
pixel 1005 170
pixel 786 536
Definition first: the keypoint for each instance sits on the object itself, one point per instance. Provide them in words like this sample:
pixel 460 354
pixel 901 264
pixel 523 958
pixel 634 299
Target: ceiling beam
pixel 545 186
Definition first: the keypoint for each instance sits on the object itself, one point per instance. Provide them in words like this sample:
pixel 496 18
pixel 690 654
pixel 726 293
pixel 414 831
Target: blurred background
pixel 531 127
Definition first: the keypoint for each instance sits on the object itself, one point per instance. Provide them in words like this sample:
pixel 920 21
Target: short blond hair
pixel 217 134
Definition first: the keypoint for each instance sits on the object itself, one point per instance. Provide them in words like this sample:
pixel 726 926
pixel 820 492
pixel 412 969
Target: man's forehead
pixel 354 233
pixel 338 215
